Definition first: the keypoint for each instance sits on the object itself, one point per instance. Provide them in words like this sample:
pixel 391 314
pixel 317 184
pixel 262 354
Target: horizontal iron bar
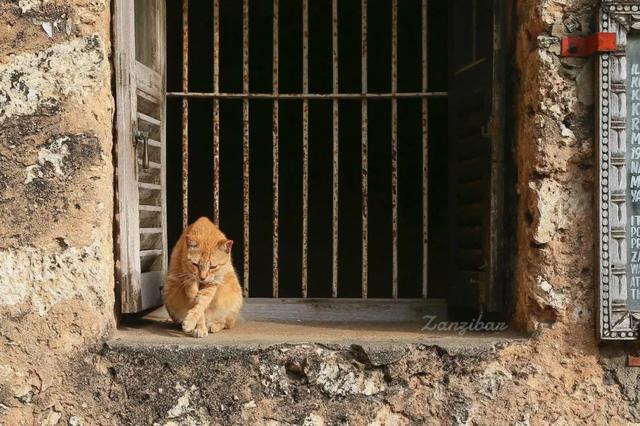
pixel 307 95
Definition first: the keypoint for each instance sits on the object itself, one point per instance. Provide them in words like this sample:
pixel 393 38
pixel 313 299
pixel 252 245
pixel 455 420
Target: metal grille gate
pixel 335 96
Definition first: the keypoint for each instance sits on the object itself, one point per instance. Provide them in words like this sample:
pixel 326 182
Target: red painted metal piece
pixel 633 361
pixel 588 45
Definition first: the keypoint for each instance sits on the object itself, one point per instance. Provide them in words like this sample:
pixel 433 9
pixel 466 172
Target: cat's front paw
pixel 189 323
pixel 214 327
pixel 200 331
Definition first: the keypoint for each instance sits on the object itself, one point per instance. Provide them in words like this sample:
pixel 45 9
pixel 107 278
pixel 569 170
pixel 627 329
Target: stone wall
pixel 56 194
pixel 56 265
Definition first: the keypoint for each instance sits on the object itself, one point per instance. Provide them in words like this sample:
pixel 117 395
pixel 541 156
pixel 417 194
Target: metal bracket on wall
pixel 633 361
pixel 588 45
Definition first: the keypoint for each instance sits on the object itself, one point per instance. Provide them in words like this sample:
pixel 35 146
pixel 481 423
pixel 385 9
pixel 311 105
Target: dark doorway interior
pixel 320 156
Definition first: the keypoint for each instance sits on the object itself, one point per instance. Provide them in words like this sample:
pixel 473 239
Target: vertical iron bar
pixel 216 112
pixel 305 144
pixel 364 152
pixel 185 114
pixel 245 143
pixel 394 145
pixel 425 155
pixel 275 152
pixel 336 176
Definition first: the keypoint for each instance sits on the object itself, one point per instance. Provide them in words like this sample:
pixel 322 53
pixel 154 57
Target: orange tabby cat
pixel 202 291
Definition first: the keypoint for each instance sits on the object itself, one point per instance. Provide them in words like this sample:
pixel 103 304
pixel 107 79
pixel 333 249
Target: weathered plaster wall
pixel 555 169
pixel 56 265
pixel 56 197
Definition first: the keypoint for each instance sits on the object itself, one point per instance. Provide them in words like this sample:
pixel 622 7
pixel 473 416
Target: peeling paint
pixel 547 296
pixel 29 5
pixel 71 69
pixel 54 154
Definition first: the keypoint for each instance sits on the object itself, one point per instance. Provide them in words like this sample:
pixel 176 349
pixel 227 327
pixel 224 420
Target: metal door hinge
pixel 588 45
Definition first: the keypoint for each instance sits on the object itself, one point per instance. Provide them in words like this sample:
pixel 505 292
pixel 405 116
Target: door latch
pixel 142 141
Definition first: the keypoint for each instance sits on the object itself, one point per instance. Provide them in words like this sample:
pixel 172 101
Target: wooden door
pixel 476 97
pixel 139 52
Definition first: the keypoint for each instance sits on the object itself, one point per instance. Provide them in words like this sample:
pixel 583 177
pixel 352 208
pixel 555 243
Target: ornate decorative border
pixel 616 320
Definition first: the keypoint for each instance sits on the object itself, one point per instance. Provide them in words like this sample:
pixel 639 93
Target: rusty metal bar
pixel 216 112
pixel 364 154
pixel 185 114
pixel 394 146
pixel 335 96
pixel 275 148
pixel 310 96
pixel 336 146
pixel 245 143
pixel 305 146
pixel 425 154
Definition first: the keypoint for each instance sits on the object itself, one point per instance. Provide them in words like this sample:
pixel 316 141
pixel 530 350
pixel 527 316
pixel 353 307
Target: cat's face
pixel 208 259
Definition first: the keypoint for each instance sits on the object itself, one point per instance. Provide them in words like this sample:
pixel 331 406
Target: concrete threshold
pixel 156 329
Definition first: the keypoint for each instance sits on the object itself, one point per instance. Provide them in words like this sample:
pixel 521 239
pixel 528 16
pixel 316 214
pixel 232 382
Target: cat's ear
pixel 226 246
pixel 191 241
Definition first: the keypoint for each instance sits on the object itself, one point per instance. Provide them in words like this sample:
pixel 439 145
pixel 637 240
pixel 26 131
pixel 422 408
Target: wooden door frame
pixel 131 292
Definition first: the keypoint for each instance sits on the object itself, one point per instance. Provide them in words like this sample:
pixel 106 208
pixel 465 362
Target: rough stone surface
pixel 56 199
pixel 554 157
pixel 56 265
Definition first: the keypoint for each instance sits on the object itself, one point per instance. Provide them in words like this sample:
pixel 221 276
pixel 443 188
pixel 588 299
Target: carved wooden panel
pixel 618 170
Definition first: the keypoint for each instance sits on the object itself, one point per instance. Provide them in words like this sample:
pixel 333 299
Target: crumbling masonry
pixel 56 265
